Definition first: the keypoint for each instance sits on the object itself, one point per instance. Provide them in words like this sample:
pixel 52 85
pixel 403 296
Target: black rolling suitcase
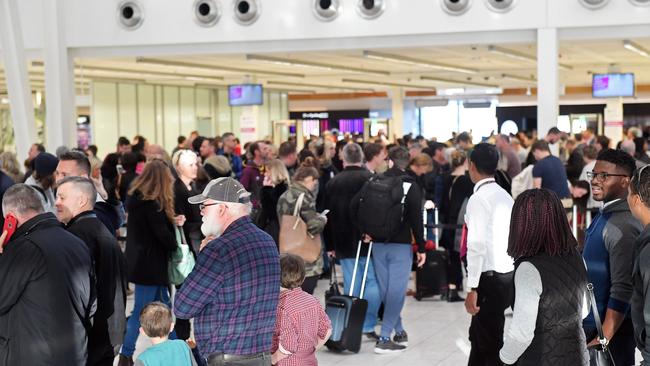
pixel 347 313
pixel 431 279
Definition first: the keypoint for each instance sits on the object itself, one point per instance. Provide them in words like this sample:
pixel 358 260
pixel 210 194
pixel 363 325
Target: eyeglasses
pixel 602 176
pixel 203 206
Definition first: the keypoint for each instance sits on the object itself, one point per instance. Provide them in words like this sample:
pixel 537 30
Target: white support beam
pixel 15 70
pixel 548 80
pixel 396 129
pixel 59 80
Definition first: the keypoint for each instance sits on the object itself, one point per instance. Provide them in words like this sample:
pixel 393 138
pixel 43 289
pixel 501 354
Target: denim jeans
pixel 143 296
pixel 392 267
pixel 371 291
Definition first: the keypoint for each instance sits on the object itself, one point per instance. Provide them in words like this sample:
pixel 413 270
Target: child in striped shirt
pixel 302 325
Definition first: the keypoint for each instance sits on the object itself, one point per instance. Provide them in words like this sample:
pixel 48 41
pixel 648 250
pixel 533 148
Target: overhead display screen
pixel 245 94
pixel 613 85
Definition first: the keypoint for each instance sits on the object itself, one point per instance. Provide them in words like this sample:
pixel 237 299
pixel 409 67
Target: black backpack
pixel 503 179
pixel 381 207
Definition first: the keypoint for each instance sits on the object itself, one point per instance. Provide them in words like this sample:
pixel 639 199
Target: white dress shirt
pixel 488 226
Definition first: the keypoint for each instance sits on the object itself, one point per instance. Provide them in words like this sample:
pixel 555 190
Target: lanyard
pixel 484 183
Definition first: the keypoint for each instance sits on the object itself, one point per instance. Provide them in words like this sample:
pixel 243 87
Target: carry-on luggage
pixel 431 278
pixel 347 313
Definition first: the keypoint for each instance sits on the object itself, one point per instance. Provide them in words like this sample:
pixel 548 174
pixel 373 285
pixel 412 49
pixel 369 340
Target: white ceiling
pixel 583 58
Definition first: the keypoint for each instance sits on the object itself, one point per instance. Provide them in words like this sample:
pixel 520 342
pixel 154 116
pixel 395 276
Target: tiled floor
pixel 437 337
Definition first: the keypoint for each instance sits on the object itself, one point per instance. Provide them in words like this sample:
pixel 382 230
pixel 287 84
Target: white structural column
pixel 396 129
pixel 548 80
pixel 60 123
pixel 20 96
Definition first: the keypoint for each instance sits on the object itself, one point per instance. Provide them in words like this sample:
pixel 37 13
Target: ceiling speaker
pixel 326 10
pixel 247 11
pixel 130 14
pixel 500 6
pixel 456 7
pixel 593 4
pixel 370 9
pixel 207 12
pixel 640 2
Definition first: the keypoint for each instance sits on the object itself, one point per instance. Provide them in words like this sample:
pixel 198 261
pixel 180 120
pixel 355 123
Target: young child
pixel 301 326
pixel 156 321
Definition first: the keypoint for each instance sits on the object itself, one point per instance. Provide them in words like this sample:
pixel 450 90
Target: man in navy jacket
pixel 609 253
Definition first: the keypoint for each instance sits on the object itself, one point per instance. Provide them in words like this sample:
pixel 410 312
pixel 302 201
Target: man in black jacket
pixel 342 236
pixel 392 256
pixel 75 199
pixel 109 212
pixel 47 292
pixel 639 201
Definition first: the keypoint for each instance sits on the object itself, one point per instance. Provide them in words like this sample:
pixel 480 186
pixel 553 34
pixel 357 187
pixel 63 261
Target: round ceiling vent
pixel 371 9
pixel 247 11
pixel 130 14
pixel 500 6
pixel 593 4
pixel 326 10
pixel 455 7
pixel 207 12
pixel 640 2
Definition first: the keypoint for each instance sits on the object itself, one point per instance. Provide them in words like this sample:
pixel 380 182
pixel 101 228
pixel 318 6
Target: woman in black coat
pixel 150 242
pixel 276 182
pixel 458 187
pixel 185 163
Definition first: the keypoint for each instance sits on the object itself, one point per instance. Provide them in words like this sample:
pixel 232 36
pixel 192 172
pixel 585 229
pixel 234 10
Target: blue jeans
pixel 370 292
pixel 392 267
pixel 143 296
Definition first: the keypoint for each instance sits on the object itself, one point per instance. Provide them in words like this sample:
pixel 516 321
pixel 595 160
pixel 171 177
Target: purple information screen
pixel 613 85
pixel 245 94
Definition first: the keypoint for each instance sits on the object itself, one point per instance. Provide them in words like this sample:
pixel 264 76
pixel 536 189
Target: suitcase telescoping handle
pixel 365 272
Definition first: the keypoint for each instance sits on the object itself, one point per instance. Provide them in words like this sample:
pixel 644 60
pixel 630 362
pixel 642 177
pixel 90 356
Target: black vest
pixel 559 339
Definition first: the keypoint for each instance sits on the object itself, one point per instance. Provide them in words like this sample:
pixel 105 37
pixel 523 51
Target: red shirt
pixel 301 323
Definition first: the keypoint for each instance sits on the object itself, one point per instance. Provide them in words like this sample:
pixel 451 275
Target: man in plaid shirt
pixel 233 291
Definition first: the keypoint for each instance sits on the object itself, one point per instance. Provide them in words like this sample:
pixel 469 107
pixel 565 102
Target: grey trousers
pixel 219 359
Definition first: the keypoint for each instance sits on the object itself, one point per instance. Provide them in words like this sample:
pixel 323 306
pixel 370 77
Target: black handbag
pixel 598 355
pixel 334 284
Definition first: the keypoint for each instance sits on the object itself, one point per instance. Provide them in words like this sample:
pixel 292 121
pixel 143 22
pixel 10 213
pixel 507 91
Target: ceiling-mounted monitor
pixel 613 85
pixel 245 94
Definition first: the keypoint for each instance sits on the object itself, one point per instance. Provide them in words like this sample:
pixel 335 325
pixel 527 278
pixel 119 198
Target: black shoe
pixel 372 336
pixel 384 346
pixel 401 338
pixel 454 297
pixel 125 360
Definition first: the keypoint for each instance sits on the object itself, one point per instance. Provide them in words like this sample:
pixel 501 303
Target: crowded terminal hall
pixel 325 182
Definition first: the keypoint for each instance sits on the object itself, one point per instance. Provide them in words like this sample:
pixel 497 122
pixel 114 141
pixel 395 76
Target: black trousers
pixel 100 350
pixel 182 327
pixel 622 345
pixel 495 291
pixel 309 285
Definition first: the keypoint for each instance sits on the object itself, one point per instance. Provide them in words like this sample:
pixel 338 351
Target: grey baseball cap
pixel 222 190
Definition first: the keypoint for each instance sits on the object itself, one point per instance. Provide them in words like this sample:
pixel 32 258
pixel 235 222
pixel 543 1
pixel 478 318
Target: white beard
pixel 211 228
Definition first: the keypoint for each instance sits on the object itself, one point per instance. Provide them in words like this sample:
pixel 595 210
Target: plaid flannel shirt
pixel 233 292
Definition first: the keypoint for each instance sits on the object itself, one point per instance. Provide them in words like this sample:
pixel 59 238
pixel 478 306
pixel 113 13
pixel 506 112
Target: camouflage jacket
pixel 315 222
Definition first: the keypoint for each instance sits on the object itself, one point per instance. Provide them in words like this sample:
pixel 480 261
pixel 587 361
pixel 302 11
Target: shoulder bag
pixel 598 355
pixel 181 262
pixel 294 237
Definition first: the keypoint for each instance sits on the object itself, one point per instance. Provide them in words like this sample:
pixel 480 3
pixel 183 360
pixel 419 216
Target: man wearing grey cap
pixel 233 291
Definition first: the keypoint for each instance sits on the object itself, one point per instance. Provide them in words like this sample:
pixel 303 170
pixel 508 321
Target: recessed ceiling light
pixel 316 65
